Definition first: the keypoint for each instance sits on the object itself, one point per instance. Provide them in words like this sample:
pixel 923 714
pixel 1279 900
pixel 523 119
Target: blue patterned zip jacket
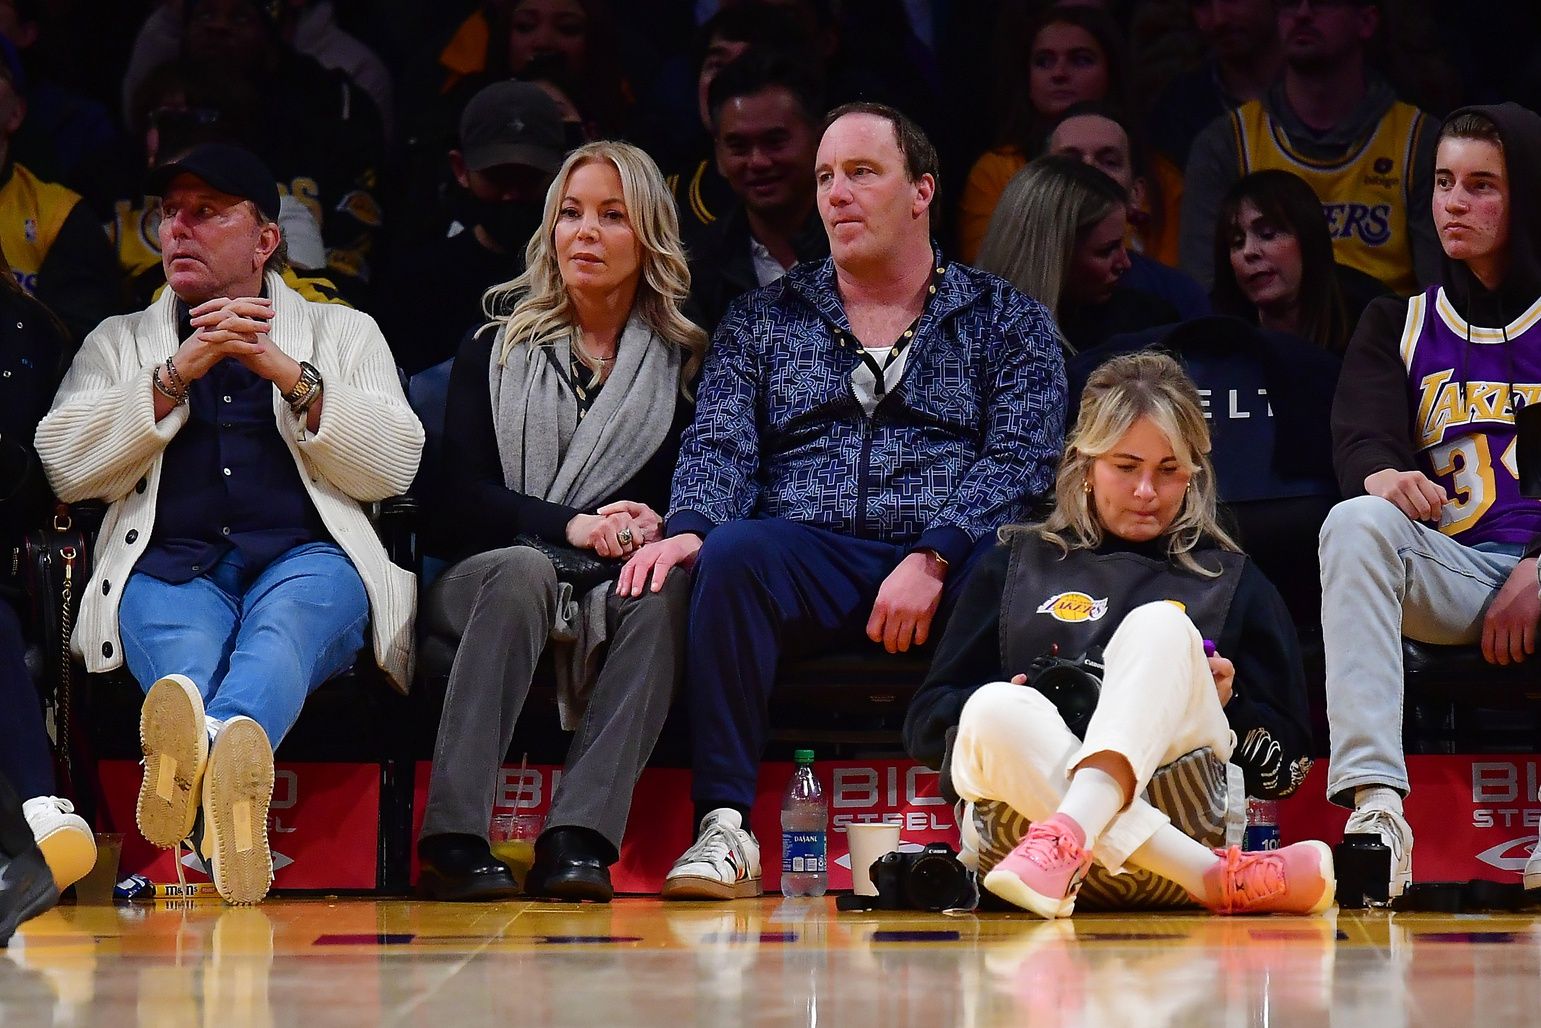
pixel 954 451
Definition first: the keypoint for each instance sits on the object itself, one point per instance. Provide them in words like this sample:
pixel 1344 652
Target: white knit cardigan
pixel 101 441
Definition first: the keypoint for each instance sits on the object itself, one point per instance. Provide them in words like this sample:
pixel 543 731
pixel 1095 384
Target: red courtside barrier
pixel 1472 816
pixel 323 826
pixel 660 825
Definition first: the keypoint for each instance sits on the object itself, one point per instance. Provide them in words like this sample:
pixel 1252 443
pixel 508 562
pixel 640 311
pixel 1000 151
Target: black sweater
pixel 1267 709
pixel 473 510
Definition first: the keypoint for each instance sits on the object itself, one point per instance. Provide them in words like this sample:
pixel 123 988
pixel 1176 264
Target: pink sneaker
pixel 1043 873
pixel 1297 879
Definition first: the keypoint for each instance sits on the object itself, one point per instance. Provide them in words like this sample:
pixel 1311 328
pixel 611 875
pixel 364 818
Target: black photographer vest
pixel 1077 600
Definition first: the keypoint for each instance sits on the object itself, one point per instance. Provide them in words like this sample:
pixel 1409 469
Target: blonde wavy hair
pixel 534 309
pixel 1149 385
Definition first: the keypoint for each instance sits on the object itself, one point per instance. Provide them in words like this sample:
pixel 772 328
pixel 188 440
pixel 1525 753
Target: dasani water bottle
pixel 804 832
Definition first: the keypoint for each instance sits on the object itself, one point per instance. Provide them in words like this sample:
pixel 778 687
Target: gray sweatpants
pixel 1383 577
pixel 502 604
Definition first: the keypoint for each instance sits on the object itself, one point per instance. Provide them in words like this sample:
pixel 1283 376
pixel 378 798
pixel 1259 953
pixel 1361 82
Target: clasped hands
pixel 617 530
pixel 235 327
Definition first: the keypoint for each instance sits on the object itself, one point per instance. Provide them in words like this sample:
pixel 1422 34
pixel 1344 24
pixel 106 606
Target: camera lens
pixel 936 882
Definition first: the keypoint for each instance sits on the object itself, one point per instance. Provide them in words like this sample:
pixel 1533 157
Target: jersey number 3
pixel 1469 462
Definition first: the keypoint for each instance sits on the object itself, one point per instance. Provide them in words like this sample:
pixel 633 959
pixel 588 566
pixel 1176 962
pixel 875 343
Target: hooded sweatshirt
pixel 1376 421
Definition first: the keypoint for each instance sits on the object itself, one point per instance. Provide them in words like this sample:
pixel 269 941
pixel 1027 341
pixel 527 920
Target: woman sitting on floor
pixel 1131 570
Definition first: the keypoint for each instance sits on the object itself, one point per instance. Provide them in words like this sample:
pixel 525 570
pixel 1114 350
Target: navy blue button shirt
pixel 228 480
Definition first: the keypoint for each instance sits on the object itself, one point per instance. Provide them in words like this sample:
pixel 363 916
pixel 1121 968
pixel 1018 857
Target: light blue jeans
pixel 256 648
pixel 1383 577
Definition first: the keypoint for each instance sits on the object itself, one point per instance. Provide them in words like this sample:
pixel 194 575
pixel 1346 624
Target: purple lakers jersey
pixel 1464 382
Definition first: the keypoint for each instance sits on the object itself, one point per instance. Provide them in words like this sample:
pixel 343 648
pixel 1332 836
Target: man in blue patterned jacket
pixel 864 426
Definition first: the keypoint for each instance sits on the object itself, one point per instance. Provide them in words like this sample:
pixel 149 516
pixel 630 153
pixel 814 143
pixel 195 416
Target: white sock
pixel 214 725
pixel 1381 797
pixel 1177 858
pixel 1093 800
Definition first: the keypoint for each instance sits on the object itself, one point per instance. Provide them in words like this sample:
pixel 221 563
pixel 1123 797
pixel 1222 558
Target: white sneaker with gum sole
pixel 175 744
pixel 237 789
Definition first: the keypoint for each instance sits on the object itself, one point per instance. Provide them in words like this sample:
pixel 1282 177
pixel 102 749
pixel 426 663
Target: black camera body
pixel 1363 864
pixel 1072 684
pixel 932 879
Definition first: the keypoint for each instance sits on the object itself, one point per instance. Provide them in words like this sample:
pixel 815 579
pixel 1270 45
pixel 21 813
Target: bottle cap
pixel 803 756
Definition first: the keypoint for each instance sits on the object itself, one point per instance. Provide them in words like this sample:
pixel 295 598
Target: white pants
pixel 1158 702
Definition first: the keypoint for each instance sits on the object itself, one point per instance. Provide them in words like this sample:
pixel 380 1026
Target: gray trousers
pixel 502 604
pixel 1383 577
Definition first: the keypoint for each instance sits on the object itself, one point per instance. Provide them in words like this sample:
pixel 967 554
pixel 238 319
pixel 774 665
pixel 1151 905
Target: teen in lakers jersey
pixel 1437 544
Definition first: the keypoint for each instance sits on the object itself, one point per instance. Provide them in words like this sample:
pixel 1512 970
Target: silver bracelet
pixel 174 377
pixel 176 399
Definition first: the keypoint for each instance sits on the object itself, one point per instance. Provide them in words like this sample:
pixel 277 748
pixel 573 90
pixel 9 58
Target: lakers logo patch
pixel 1073 608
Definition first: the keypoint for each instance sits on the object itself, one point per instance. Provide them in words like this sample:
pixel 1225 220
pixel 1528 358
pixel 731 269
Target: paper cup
pixel 96 886
pixel 867 843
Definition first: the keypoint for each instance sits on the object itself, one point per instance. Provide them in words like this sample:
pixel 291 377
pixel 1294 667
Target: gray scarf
pixel 547 452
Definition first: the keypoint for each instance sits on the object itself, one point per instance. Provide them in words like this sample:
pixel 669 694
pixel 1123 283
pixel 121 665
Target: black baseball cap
pixel 512 123
pixel 228 168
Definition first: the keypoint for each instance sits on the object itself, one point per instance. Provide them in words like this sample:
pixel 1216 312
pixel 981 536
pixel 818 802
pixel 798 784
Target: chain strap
pixel 63 700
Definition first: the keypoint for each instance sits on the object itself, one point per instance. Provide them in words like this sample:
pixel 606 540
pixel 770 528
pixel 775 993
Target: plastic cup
pixel 96 886
pixel 867 843
pixel 512 837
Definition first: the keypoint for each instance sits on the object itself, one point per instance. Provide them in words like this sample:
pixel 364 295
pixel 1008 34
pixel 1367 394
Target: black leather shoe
pixel 461 868
pixel 27 889
pixel 570 864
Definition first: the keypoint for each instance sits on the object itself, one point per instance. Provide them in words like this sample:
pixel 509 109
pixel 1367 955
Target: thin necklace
pixel 578 342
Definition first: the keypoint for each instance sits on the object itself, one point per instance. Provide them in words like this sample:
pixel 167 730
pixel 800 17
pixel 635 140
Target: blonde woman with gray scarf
pixel 563 424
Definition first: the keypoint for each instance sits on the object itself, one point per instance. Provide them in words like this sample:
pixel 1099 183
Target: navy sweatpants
pixel 24 756
pixel 764 590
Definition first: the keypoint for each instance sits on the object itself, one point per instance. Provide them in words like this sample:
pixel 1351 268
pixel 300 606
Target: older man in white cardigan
pixel 236 429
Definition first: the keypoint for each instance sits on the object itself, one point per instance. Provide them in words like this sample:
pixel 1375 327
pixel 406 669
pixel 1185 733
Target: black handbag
pixel 57 563
pixel 581 569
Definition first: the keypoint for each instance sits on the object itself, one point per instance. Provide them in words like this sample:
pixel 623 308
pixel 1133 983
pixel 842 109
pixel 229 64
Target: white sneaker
pixel 1533 867
pixel 237 788
pixel 64 837
pixel 1395 832
pixel 724 862
pixel 175 743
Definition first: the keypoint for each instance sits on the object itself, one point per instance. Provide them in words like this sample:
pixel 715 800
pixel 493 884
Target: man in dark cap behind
pixel 320 133
pixel 265 422
pixel 511 144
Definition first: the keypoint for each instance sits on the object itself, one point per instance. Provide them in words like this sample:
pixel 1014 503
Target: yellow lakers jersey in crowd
pixel 1364 194
pixel 31 214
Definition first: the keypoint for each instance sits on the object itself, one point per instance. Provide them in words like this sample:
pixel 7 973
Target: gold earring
pixel 1087 488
